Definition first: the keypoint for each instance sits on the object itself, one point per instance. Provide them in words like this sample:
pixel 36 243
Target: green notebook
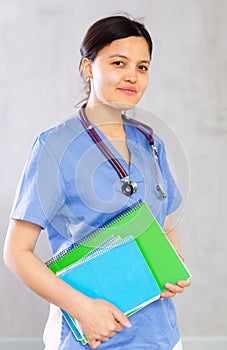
pixel 137 221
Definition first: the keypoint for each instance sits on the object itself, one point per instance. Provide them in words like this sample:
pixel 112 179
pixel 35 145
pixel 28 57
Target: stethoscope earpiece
pixel 162 193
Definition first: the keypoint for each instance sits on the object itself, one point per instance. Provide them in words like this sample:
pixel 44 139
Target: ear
pixel 87 67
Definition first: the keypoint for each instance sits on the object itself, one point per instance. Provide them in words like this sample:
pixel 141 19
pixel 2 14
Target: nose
pixel 131 75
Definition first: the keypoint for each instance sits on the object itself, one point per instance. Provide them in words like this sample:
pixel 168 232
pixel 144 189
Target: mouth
pixel 128 91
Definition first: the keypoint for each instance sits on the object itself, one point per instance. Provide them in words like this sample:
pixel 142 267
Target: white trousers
pixel 178 346
pixel 52 331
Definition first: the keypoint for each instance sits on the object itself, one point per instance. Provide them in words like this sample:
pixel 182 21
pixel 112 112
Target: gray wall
pixel 39 82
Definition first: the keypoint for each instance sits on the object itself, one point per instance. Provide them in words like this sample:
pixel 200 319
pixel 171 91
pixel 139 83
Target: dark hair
pixel 108 29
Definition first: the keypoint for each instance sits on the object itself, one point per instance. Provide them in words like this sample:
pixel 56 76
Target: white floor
pixel 201 343
pixel 205 343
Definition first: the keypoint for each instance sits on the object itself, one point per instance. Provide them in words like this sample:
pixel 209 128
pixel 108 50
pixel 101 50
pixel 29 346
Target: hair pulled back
pixel 106 30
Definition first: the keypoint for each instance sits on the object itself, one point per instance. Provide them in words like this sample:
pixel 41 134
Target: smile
pixel 128 91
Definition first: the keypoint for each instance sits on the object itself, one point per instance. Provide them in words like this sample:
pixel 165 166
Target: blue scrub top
pixel 69 188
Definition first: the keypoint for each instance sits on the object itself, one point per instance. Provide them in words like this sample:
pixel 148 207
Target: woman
pixel 69 187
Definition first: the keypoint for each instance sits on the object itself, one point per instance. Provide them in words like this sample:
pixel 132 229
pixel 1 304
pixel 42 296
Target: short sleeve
pixel 173 194
pixel 39 192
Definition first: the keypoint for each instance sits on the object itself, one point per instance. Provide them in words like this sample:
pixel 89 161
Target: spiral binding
pixel 69 250
pixel 109 244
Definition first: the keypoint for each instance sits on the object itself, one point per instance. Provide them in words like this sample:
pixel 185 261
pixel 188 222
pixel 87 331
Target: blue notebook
pixel 118 273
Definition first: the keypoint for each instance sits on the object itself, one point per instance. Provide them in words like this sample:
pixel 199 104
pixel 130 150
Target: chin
pixel 122 105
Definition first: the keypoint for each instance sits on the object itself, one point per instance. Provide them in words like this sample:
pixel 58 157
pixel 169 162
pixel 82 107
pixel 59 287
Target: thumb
pixel 121 318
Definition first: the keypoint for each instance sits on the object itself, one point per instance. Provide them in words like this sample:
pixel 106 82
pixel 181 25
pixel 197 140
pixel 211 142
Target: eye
pixel 143 68
pixel 118 63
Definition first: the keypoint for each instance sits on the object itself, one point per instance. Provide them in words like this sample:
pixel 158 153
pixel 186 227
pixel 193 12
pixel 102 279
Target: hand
pixel 173 289
pixel 101 321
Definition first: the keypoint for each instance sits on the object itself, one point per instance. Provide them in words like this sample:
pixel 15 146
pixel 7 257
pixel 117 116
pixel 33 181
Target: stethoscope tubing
pixel 105 150
pixel 114 161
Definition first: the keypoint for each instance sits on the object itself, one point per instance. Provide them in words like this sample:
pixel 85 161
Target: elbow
pixel 7 256
pixel 19 244
pixel 10 256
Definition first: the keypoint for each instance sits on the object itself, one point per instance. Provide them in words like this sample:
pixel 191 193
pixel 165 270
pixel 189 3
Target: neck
pixel 103 115
pixel 107 119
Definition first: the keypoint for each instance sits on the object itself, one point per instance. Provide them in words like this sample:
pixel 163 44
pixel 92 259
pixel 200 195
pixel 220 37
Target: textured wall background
pixel 39 82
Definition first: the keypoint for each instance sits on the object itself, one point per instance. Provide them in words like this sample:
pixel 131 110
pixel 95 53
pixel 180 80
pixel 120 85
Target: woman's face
pixel 120 73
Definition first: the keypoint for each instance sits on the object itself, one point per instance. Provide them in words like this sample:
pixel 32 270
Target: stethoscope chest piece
pixel 129 187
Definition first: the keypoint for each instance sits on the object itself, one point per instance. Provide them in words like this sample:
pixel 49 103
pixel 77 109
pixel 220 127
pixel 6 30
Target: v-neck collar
pixel 113 149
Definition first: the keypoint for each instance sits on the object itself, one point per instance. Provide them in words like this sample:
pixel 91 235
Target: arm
pixel 97 317
pixel 172 236
pixel 171 233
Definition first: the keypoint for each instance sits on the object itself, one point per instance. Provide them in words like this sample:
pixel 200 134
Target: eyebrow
pixel 125 57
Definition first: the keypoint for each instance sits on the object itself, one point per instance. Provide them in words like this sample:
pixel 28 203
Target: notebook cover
pixel 139 222
pixel 119 275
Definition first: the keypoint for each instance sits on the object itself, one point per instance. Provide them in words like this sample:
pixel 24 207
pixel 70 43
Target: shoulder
pixel 60 136
pixel 142 129
pixel 141 138
pixel 69 127
pixel 52 143
pixel 159 144
pixel 158 141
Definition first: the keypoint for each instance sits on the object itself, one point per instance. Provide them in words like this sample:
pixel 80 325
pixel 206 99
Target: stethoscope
pixel 128 186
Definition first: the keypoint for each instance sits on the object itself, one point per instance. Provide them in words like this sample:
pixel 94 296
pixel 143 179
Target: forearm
pixel 21 260
pixel 171 233
pixel 97 317
pixel 173 289
pixel 172 236
pixel 38 277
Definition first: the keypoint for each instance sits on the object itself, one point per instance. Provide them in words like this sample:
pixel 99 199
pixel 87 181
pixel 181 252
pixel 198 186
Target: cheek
pixel 145 83
pixel 104 80
pixel 143 86
pixel 110 78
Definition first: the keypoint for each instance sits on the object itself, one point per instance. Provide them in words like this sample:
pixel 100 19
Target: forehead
pixel 132 46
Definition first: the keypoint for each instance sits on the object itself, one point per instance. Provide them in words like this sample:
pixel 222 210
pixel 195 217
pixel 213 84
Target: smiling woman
pixel 105 32
pixel 119 73
pixel 69 188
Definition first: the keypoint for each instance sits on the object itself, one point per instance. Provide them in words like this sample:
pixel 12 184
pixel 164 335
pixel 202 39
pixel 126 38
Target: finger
pixel 104 339
pixel 184 284
pixel 121 318
pixel 107 334
pixel 118 326
pixel 174 288
pixel 94 343
pixel 165 295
